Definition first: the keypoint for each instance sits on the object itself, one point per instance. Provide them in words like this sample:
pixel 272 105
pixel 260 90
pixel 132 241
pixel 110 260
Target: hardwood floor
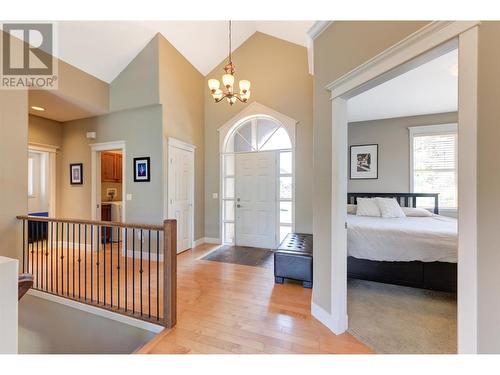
pixel 230 308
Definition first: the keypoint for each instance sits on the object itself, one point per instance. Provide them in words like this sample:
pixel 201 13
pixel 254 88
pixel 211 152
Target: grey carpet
pixel 247 256
pixel 401 320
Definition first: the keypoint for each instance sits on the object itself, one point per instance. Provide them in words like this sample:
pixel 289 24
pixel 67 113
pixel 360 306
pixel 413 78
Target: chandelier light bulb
pixel 218 94
pixel 245 96
pixel 213 84
pixel 244 86
pixel 228 81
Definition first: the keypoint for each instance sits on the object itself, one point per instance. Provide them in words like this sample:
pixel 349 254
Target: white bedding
pixel 427 239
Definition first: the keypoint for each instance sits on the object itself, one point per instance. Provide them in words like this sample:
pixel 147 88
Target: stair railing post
pixel 170 273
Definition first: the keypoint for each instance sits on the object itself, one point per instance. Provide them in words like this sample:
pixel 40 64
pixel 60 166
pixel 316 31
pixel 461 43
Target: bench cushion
pixel 293 259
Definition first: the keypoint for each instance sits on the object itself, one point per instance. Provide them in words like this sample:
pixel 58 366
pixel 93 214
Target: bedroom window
pixel 433 163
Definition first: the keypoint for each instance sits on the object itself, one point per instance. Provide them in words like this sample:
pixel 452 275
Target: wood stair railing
pixel 25 282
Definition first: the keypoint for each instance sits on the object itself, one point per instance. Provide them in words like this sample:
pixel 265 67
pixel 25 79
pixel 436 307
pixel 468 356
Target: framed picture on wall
pixel 364 162
pixel 141 169
pixel 76 174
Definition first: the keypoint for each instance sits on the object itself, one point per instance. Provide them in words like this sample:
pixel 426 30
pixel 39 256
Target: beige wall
pixel 181 94
pixel 488 184
pixel 47 327
pixel 137 85
pixel 280 80
pixel 339 49
pixel 13 169
pixel 141 129
pixel 392 137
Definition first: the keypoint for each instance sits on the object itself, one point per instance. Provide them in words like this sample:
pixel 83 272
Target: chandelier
pixel 228 83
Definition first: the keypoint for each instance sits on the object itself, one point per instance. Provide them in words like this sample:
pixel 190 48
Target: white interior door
pixel 256 199
pixel 181 194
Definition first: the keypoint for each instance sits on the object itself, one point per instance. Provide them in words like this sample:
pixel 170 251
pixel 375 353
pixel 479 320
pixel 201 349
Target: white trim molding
pixel 430 36
pixel 336 326
pixel 316 29
pixel 423 45
pixel 98 311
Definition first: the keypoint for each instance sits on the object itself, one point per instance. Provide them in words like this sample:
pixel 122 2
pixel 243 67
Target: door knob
pixel 238 205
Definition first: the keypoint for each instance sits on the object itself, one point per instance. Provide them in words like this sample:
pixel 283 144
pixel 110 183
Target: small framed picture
pixel 141 169
pixel 364 162
pixel 76 174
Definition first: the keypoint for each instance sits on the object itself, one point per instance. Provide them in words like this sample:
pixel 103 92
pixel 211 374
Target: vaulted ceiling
pixel 104 48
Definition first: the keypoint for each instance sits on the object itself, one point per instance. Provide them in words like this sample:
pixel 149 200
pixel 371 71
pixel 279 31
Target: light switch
pixel 215 195
pixel 129 197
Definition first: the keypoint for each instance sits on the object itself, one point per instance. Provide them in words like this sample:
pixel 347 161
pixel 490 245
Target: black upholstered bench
pixel 293 259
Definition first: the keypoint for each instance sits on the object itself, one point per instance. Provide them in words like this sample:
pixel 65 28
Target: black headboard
pixel 404 199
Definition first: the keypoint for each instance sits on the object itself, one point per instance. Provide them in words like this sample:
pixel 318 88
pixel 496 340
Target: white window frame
pixel 429 130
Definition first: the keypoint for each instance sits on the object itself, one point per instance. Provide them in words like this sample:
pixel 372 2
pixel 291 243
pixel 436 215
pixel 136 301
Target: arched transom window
pixel 258 134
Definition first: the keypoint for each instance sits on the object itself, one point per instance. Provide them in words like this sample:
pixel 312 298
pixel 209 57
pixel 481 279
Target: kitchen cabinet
pixel 111 167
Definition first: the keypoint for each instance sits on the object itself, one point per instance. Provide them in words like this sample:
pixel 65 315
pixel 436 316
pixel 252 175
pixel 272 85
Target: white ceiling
pixel 104 48
pixel 429 88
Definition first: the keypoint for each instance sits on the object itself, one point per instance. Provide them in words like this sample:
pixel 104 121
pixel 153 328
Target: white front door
pixel 180 194
pixel 256 199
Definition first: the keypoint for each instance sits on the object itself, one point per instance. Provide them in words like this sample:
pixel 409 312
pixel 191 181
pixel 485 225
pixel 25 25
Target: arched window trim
pixel 226 131
pixel 255 109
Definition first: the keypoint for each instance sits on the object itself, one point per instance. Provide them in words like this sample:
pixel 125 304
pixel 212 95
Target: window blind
pixel 435 167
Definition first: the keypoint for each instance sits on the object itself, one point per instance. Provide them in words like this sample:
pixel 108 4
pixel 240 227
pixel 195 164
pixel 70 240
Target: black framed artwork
pixel 142 171
pixel 364 162
pixel 76 174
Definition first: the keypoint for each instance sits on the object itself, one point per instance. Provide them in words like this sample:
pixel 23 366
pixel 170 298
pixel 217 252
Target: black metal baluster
pixel 140 271
pixel 36 254
pixel 67 259
pixel 149 273
pixel 79 260
pixel 24 246
pixel 62 258
pixel 133 271
pixel 92 263
pixel 73 261
pixel 46 228
pixel 42 235
pixel 111 265
pixel 126 268
pixel 118 266
pixel 57 258
pixel 98 261
pixel 85 271
pixel 32 233
pixel 157 275
pixel 104 256
pixel 52 256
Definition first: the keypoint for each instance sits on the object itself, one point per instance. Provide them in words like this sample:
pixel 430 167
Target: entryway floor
pixel 245 256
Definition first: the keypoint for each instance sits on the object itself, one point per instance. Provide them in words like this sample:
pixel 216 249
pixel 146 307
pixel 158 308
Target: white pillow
pixel 351 209
pixel 416 212
pixel 389 207
pixel 367 207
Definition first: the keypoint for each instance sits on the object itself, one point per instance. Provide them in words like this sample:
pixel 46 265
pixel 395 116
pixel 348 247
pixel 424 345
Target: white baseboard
pixel 212 240
pixel 199 241
pixel 336 326
pixel 98 311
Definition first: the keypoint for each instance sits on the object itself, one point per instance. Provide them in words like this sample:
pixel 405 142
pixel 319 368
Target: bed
pixel 419 252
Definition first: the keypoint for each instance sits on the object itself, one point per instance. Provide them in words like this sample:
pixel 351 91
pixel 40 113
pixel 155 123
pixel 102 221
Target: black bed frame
pixel 426 275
